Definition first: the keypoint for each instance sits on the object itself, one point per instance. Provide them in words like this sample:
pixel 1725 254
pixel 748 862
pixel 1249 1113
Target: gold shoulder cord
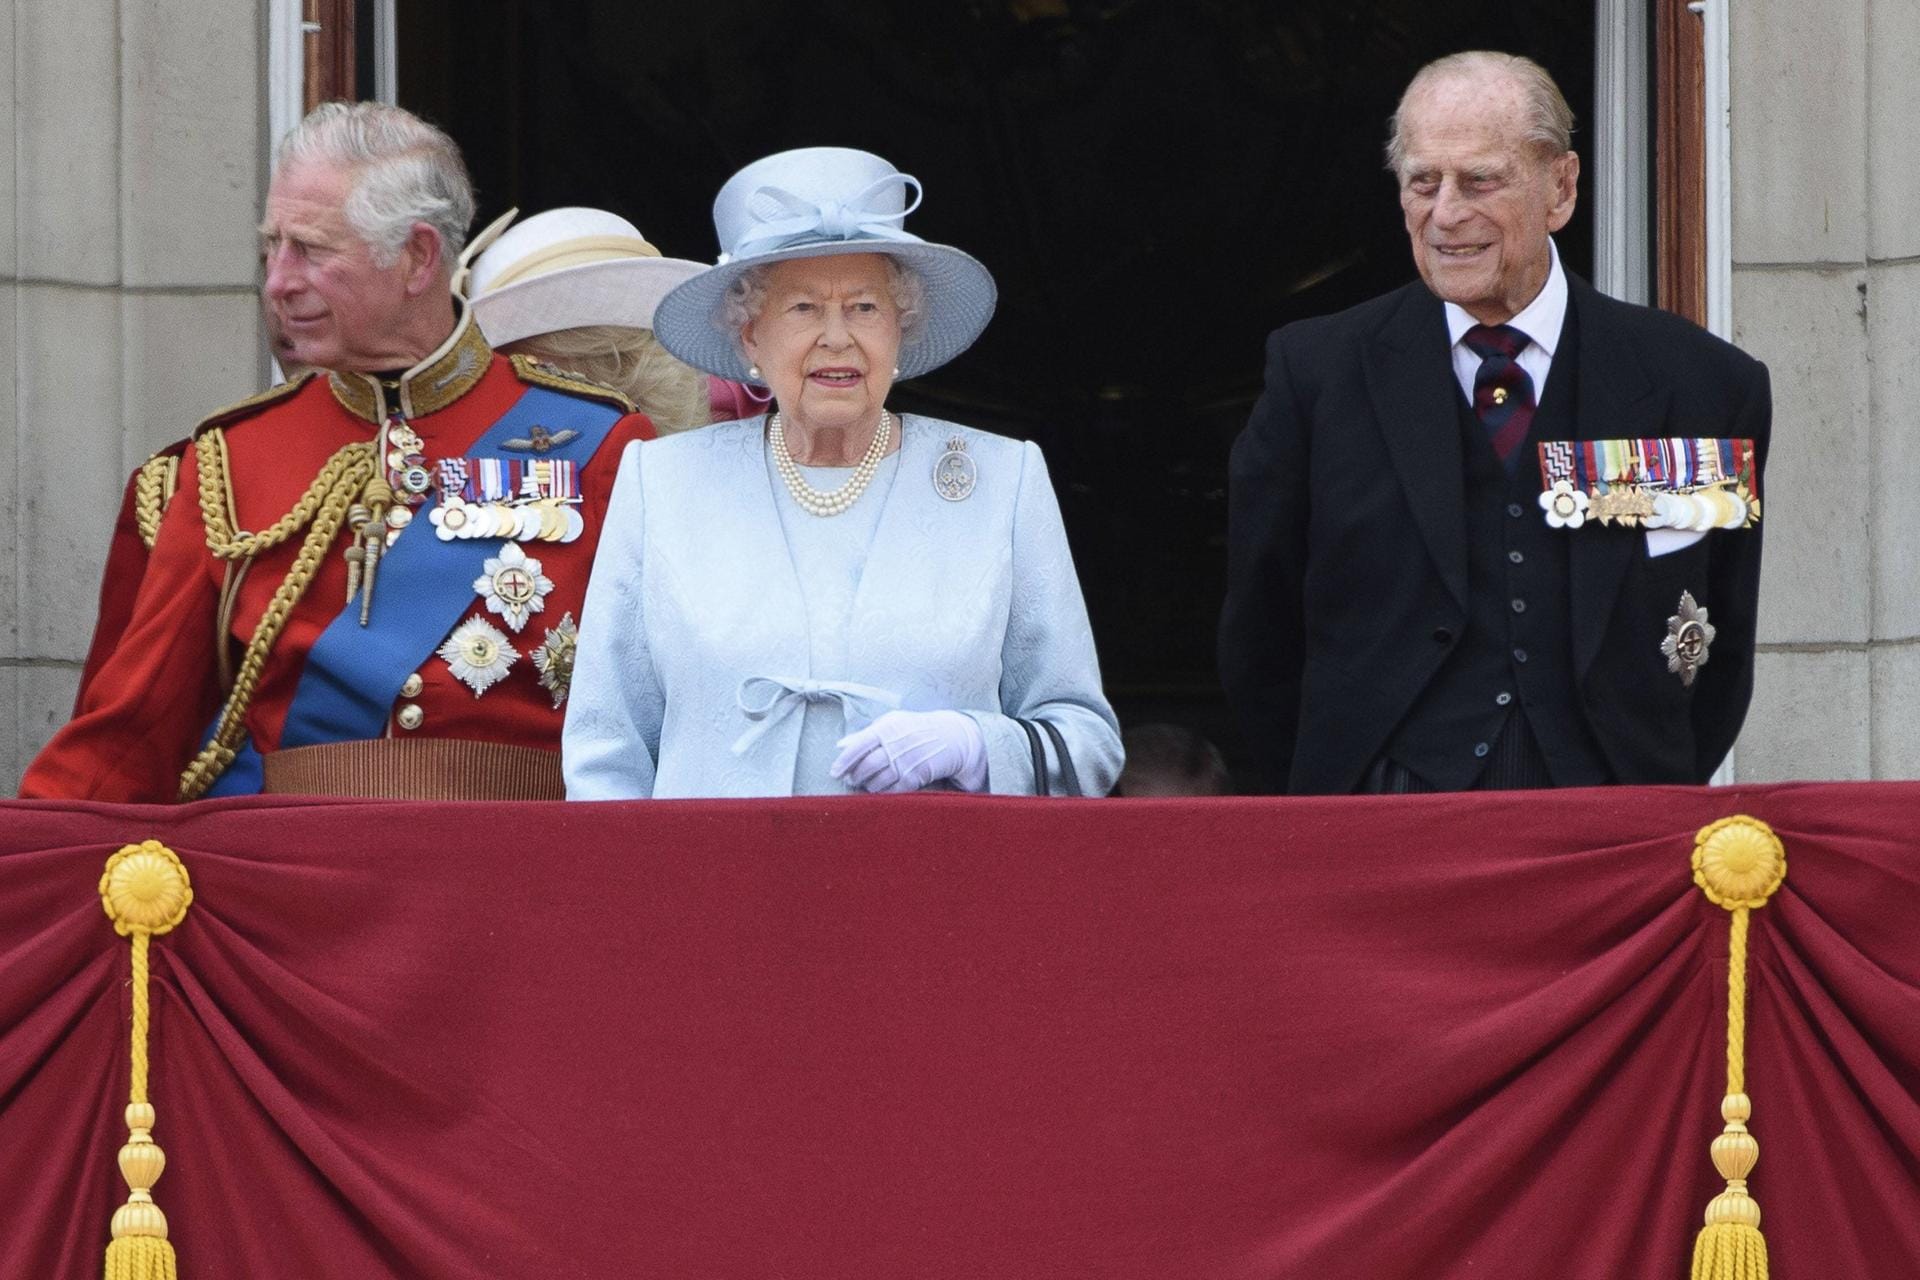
pixel 153 488
pixel 542 374
pixel 320 511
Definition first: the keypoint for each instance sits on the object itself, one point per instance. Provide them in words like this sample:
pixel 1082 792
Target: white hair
pixel 404 171
pixel 747 293
pixel 1548 122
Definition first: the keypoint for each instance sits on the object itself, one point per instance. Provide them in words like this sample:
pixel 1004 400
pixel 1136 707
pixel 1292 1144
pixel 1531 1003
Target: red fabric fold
pixel 946 1036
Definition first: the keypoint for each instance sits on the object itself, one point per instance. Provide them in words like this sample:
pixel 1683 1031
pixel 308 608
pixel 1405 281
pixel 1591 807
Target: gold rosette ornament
pixel 145 891
pixel 1738 862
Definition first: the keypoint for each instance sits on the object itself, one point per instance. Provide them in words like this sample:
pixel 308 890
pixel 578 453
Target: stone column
pixel 1826 290
pixel 127 294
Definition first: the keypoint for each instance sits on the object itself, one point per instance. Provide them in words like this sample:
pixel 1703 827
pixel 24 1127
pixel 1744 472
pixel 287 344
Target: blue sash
pixel 424 587
pixel 244 777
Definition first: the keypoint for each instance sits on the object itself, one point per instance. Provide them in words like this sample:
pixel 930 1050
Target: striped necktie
pixel 1502 391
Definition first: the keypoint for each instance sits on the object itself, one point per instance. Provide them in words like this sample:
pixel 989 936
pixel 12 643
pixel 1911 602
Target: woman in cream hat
pixel 833 597
pixel 577 288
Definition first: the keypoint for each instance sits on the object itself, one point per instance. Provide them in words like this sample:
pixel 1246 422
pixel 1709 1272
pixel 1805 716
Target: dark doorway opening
pixel 1155 184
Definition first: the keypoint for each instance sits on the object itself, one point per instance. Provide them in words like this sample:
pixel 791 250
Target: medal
pixel 555 659
pixel 1566 506
pixel 528 500
pixel 448 519
pixel 1689 635
pixel 479 654
pixel 955 474
pixel 407 472
pixel 1677 482
pixel 513 586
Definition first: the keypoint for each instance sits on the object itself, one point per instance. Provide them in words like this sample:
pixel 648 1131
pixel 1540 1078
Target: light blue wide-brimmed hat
pixel 813 203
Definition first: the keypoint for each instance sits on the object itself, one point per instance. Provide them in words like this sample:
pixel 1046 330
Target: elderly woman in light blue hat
pixel 833 597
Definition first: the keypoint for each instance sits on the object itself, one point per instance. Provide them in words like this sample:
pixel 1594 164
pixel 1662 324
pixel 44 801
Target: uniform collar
pixel 1541 319
pixel 454 368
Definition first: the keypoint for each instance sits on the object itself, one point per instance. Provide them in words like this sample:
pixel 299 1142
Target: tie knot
pixel 1495 340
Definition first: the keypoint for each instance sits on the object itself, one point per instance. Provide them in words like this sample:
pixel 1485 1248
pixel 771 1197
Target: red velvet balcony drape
pixel 954 1037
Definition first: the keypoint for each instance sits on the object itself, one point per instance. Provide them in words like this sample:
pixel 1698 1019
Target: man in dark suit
pixel 1399 615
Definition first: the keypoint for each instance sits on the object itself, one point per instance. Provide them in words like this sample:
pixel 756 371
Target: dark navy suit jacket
pixel 1347 547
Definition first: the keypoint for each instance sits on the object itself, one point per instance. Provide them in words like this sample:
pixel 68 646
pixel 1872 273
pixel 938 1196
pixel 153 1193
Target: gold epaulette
pixel 153 486
pixel 542 374
pixel 254 403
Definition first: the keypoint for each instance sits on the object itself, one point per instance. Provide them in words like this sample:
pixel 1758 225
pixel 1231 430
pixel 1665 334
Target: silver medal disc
pixel 955 474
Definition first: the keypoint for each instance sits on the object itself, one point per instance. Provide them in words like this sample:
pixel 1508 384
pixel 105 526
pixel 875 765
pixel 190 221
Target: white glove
pixel 907 750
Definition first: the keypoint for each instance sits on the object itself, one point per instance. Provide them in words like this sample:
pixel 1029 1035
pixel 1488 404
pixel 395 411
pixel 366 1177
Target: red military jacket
pixel 149 489
pixel 146 712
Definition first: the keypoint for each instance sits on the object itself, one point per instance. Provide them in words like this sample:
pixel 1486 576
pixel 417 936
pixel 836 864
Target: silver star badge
pixel 479 654
pixel 1689 636
pixel 513 586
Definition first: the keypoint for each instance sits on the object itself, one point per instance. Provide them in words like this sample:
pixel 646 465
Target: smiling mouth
pixel 835 377
pixel 1460 250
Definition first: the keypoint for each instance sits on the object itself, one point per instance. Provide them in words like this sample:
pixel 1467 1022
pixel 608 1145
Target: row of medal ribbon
pixel 529 500
pixel 1664 483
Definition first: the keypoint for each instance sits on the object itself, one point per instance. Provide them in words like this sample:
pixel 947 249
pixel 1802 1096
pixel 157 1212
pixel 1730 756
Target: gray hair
pixel 1548 121
pixel 404 171
pixel 747 293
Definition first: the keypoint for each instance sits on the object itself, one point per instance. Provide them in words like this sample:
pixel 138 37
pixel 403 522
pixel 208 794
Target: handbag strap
pixel 1068 778
pixel 1039 756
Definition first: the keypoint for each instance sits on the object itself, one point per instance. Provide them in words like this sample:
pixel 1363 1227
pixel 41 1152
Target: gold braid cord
pixel 321 510
pixel 153 488
pixel 145 892
pixel 1738 862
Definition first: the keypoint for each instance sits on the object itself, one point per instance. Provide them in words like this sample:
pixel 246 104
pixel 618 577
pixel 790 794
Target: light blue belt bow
pixel 769 700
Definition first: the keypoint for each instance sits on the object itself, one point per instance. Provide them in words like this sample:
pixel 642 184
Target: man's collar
pixel 454 368
pixel 1541 319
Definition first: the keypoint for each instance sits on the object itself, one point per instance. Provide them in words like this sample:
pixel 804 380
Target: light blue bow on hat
pixel 782 219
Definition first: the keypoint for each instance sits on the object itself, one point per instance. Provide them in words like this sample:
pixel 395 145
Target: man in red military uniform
pixel 369 580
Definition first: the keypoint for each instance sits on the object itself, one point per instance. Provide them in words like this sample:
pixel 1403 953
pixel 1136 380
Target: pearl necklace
pixel 813 501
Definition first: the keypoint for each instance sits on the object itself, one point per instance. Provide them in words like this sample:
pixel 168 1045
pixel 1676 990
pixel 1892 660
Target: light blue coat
pixel 693 665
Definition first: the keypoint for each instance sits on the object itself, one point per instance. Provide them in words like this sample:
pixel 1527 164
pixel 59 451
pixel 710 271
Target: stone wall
pixel 1826 290
pixel 128 195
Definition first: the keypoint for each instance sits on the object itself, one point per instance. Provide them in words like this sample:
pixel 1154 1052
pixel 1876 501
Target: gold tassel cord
pixel 145 891
pixel 326 503
pixel 1738 863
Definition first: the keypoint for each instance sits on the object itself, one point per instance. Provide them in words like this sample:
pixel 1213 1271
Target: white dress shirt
pixel 1541 321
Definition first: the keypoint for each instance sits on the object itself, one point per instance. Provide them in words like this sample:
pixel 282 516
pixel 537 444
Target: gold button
pixel 411 716
pixel 411 689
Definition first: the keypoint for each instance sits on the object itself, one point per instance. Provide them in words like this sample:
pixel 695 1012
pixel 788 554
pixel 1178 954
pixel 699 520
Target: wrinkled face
pixel 331 306
pixel 827 339
pixel 1479 199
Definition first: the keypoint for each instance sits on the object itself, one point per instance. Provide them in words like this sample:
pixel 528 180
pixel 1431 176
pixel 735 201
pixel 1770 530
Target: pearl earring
pixel 896 371
pixel 753 371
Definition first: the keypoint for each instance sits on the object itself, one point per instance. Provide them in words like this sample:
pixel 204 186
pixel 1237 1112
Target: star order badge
pixel 555 659
pixel 1689 636
pixel 479 654
pixel 513 586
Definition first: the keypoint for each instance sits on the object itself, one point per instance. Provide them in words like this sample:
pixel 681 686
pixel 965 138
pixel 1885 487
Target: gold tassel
pixel 1738 862
pixel 145 892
